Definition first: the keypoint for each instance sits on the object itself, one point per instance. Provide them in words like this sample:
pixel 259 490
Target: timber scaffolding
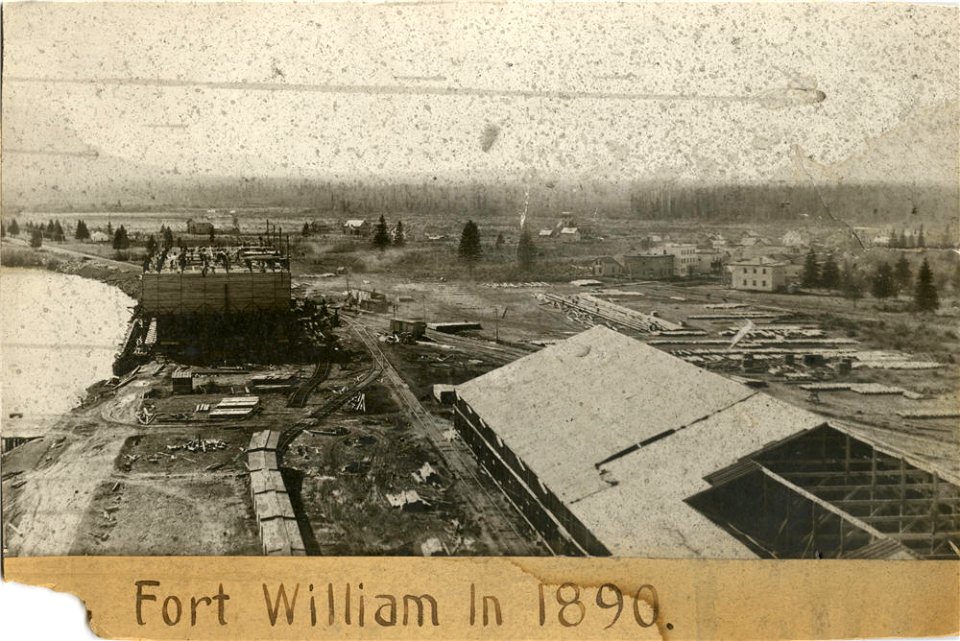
pixel 193 292
pixel 613 313
pixel 826 493
pixel 216 280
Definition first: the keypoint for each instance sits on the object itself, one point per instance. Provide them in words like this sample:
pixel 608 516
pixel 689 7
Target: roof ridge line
pixel 673 430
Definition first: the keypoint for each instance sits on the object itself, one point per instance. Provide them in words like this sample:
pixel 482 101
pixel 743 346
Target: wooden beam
pixel 925 536
pixel 854 473
pixel 826 505
pixel 895 501
pixel 881 487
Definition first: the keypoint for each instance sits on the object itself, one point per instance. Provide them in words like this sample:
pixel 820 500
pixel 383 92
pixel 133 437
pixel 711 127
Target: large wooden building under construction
pixel 193 292
pixel 608 446
pixel 213 304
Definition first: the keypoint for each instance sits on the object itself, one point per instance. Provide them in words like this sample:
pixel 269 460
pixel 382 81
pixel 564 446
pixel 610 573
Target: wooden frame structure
pixel 193 292
pixel 826 493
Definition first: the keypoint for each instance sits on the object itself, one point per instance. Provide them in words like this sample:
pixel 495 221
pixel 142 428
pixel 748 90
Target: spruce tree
pixel 58 234
pixel 526 252
pixel 811 271
pixel 306 229
pixel 469 250
pixel 381 235
pixel 500 241
pixel 399 236
pixel 167 238
pixel 14 228
pixel 36 238
pixel 883 284
pixel 151 245
pixel 830 274
pixel 901 273
pixel 851 285
pixel 120 239
pixel 925 297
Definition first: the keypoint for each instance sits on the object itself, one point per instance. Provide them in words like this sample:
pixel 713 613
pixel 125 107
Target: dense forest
pixel 861 203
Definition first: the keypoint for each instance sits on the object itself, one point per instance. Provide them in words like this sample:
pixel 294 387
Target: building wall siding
pixel 538 504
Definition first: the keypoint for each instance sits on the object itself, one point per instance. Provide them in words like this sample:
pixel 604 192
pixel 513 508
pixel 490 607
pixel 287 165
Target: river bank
pixel 124 276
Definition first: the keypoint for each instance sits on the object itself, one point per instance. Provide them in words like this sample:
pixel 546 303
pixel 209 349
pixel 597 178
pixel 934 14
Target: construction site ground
pixel 517 315
pixel 103 483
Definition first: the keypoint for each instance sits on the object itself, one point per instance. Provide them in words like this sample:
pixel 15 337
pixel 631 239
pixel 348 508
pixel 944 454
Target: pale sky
pixel 733 92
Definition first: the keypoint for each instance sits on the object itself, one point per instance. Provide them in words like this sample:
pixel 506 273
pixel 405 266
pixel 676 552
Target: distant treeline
pixel 860 203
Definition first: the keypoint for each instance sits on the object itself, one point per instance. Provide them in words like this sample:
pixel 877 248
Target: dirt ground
pixel 102 483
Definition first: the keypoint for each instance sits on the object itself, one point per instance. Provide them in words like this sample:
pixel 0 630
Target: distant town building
pixel 717 240
pixel 685 261
pixel 709 260
pixel 545 233
pixel 650 266
pixel 99 237
pixel 758 274
pixel 792 239
pixel 356 227
pixel 570 234
pixel 607 266
pixel 199 227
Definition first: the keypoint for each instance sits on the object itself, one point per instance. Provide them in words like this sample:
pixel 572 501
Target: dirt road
pixel 497 517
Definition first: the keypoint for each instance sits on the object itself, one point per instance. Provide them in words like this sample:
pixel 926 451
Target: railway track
pixel 302 393
pixel 489 507
pixel 290 434
pixel 495 351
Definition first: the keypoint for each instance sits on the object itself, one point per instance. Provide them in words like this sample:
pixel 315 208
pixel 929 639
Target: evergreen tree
pixel 381 236
pixel 902 243
pixel 213 234
pixel 811 271
pixel 109 229
pixel 399 236
pixel 36 238
pixel 306 229
pixel 82 232
pixel 167 234
pixel 151 245
pixel 14 228
pixel 470 250
pixel 925 297
pixel 500 241
pixel 883 284
pixel 851 284
pixel 901 273
pixel 58 234
pixel 120 239
pixel 830 274
pixel 526 252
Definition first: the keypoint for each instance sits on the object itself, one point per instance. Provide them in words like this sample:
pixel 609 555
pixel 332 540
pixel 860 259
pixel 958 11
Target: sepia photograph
pixel 669 281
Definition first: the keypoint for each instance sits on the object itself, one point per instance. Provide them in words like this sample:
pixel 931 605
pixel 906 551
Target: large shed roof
pixel 622 432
